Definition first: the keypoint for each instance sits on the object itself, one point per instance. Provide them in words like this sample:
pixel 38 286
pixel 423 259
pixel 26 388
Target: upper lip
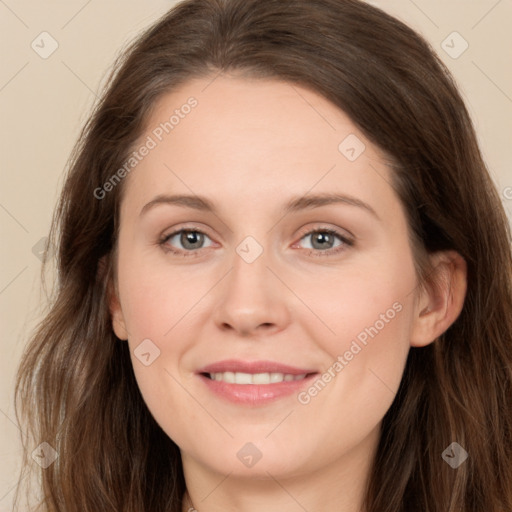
pixel 233 365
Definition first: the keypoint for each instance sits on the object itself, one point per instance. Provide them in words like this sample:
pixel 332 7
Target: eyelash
pixel 312 252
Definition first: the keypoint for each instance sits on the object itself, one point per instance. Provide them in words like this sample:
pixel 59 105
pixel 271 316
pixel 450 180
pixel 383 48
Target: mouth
pixel 254 378
pixel 254 383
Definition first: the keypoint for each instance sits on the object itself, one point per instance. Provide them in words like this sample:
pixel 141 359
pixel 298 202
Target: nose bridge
pixel 252 296
pixel 250 267
pixel 251 281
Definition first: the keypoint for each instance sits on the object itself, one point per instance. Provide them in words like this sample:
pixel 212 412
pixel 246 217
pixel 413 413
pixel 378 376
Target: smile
pixel 254 378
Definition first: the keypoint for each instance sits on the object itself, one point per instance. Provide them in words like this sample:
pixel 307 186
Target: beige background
pixel 44 102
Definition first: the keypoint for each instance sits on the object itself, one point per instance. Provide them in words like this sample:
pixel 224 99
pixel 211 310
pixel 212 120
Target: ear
pixel 114 305
pixel 441 300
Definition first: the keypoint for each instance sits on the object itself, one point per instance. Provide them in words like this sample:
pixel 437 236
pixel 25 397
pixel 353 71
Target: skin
pixel 249 146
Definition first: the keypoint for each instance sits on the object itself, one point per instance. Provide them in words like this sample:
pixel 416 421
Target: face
pixel 269 313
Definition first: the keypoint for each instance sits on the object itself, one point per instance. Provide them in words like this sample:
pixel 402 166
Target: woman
pixel 247 371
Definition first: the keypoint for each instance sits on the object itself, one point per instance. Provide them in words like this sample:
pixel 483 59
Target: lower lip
pixel 255 394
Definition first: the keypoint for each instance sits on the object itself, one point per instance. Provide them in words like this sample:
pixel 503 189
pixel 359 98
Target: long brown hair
pixel 76 388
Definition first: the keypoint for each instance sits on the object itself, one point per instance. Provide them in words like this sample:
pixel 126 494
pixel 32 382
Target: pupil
pixel 323 237
pixel 191 237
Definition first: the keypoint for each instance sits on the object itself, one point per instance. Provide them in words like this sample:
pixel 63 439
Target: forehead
pixel 255 139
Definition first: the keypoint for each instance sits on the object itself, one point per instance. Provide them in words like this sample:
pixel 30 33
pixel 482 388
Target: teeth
pixel 260 378
pixel 242 378
pixel 254 378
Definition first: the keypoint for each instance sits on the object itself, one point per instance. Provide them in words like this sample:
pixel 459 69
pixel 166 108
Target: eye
pixel 323 240
pixel 190 240
pixel 193 239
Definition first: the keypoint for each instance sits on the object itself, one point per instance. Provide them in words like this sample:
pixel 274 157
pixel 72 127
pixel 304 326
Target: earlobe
pixel 442 299
pixel 118 323
pixel 114 305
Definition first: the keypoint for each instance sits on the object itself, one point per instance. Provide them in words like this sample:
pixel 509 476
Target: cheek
pixel 155 306
pixel 364 366
pixel 159 304
pixel 368 307
pixel 370 313
pixel 155 298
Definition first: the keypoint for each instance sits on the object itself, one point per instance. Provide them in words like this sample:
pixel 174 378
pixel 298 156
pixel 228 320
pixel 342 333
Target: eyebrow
pixel 295 204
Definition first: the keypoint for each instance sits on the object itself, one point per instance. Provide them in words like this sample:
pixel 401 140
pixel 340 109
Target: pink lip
pixel 233 365
pixel 254 394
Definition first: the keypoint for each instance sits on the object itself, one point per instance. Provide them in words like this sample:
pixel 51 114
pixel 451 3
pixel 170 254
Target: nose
pixel 252 300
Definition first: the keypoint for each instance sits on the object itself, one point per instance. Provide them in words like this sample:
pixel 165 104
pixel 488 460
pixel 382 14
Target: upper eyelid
pixel 174 232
